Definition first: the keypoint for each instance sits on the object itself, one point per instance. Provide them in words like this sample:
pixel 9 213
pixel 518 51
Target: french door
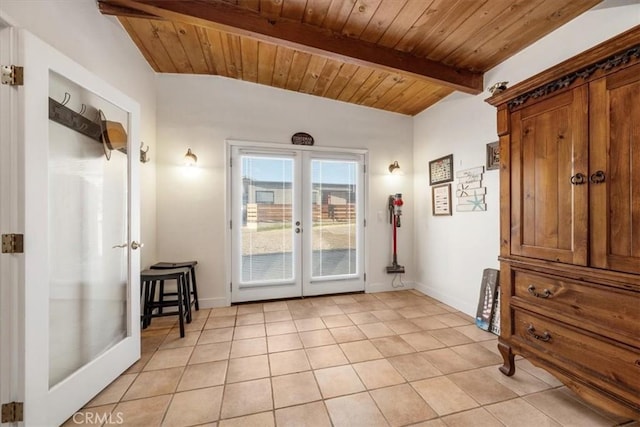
pixel 70 299
pixel 297 223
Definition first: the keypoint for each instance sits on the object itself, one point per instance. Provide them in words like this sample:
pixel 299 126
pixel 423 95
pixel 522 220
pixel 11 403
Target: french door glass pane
pixel 334 213
pixel 267 234
pixel 87 217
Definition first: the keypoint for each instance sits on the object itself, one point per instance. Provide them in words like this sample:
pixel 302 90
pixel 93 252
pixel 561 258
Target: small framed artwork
pixel 441 170
pixel 493 155
pixel 441 200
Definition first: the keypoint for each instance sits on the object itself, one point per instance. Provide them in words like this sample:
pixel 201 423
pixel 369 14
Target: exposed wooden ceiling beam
pixel 223 16
pixel 116 10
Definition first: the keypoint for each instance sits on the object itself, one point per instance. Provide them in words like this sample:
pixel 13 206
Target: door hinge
pixel 12 243
pixel 12 75
pixel 365 277
pixel 364 168
pixel 230 162
pixel 365 222
pixel 231 225
pixel 230 286
pixel 12 412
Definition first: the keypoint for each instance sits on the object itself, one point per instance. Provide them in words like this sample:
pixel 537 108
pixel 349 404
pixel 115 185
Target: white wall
pixel 201 112
pixel 99 43
pixel 451 252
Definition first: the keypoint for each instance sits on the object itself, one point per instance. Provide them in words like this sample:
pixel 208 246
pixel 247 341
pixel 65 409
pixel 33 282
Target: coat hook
pixel 67 98
pixel 83 110
pixel 143 153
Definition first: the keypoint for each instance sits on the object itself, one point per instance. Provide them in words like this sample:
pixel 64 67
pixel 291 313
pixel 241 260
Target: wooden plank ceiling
pixel 396 55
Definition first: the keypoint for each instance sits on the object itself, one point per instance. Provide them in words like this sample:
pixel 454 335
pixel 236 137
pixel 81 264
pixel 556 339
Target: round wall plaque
pixel 302 138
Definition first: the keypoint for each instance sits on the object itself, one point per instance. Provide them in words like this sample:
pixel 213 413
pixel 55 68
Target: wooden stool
pixel 191 265
pixel 148 280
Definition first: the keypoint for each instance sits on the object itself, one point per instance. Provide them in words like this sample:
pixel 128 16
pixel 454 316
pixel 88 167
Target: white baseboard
pixel 213 302
pixel 458 304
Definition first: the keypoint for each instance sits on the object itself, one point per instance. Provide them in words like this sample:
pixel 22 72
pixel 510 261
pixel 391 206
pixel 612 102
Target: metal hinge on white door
pixel 12 75
pixel 12 243
pixel 12 412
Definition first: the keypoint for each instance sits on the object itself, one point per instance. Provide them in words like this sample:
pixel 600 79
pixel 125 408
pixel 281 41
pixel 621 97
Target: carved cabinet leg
pixel 509 366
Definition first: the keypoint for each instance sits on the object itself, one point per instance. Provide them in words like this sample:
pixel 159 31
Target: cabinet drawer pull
pixel 579 179
pixel 544 337
pixel 597 177
pixel 545 294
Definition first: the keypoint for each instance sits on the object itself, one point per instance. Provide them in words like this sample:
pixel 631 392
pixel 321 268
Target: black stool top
pixel 163 265
pixel 162 274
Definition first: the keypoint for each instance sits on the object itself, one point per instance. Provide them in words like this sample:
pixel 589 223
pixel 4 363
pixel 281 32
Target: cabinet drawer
pixel 614 309
pixel 613 367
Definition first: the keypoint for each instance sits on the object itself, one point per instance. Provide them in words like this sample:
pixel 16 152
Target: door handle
pixel 298 230
pixel 124 245
pixel 579 179
pixel 135 245
pixel 597 177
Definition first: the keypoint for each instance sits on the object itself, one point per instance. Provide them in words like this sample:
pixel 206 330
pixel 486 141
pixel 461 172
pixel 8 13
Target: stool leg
pixel 180 308
pixel 187 296
pixel 161 296
pixel 144 293
pixel 195 287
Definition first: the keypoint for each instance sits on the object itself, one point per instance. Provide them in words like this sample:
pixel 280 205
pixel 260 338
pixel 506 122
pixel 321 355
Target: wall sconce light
pixel 190 159
pixel 394 167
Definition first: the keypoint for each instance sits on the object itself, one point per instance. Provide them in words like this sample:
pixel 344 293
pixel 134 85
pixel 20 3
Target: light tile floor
pixel 386 359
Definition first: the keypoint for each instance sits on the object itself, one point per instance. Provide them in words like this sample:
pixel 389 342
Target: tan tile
pixel 387 315
pixel 453 319
pixel 428 323
pixel 437 422
pixel 308 415
pixel 113 392
pixel 169 358
pixel 310 324
pixel 450 337
pixel 288 362
pixel 492 346
pixel 360 351
pixel 250 331
pixel 519 413
pixel 566 410
pixel 248 368
pixel 477 355
pixel 250 347
pixel 210 352
pixel 139 364
pixel 326 356
pixel 174 340
pixel 521 382
pixel 392 346
pixel 402 326
pixel 337 321
pixel 446 307
pixel 401 405
pixel 249 308
pixel 414 367
pixel 249 319
pixel 283 342
pixel 220 322
pixel 322 301
pixel 203 375
pixel 223 311
pixel 478 417
pixel 210 336
pixel 355 410
pixel 616 419
pixel 447 361
pixel 378 373
pixel 316 338
pixel 355 307
pixel 329 310
pixel 194 407
pixel 202 314
pixel 422 341
pixel 338 381
pixel 376 330
pixel 154 383
pixel 363 317
pixel 195 325
pixel 151 343
pixel 410 312
pixel 294 389
pixel 347 334
pixel 142 412
pixel 279 328
pixel 481 387
pixel 442 395
pixel 87 416
pixel 275 306
pixel 277 316
pixel 263 419
pixel 235 402
pixel 476 334
pixel 304 313
pixel 343 299
pixel 539 373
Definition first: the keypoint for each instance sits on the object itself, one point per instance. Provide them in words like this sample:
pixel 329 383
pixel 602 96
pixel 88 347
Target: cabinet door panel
pixel 615 150
pixel 548 147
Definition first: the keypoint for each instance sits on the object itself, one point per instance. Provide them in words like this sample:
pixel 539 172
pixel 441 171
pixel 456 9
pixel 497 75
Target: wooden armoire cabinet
pixel 570 223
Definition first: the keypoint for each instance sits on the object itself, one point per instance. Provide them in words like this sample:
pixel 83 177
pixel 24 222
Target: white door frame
pixel 29 343
pixel 257 145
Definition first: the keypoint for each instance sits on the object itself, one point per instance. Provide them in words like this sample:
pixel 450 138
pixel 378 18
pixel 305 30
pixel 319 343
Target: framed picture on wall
pixel 493 155
pixel 441 200
pixel 441 170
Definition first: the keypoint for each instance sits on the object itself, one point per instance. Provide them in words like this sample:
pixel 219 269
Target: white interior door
pixel 297 223
pixel 75 297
